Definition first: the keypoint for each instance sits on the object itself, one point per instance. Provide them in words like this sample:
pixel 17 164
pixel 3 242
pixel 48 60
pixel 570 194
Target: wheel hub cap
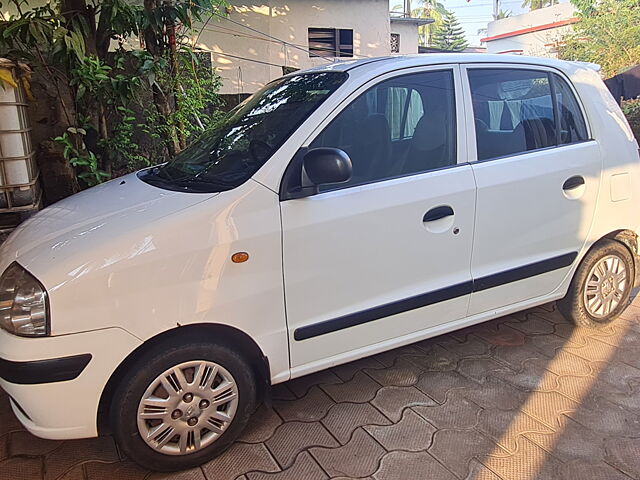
pixel 187 407
pixel 605 286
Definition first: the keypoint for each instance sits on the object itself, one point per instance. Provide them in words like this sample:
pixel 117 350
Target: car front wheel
pixel 601 287
pixel 182 405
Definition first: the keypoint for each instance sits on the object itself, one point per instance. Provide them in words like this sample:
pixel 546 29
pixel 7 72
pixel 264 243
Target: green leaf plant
pixel 122 106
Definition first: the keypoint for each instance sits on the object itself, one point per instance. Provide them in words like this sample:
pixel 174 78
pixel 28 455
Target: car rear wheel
pixel 181 406
pixel 601 287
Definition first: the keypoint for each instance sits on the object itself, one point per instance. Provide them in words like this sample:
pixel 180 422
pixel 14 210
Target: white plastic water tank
pixel 18 172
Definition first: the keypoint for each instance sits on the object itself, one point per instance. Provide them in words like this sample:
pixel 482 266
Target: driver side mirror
pixel 323 166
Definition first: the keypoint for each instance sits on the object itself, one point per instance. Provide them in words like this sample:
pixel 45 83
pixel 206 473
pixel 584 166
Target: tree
pixel 607 34
pixel 536 4
pixel 96 87
pixel 426 9
pixel 450 36
pixel 429 9
pixel 501 14
pixel 584 7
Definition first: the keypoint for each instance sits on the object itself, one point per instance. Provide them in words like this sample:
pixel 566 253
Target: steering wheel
pixel 259 150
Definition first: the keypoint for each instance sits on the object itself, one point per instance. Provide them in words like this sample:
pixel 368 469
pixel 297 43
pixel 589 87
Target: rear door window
pixel 513 111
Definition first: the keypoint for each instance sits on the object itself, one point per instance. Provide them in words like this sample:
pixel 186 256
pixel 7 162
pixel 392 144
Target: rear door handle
pixel 573 182
pixel 437 213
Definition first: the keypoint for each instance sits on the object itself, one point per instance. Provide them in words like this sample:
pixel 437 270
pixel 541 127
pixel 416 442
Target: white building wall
pixel 538 43
pixel 288 21
pixel 262 58
pixel 408 35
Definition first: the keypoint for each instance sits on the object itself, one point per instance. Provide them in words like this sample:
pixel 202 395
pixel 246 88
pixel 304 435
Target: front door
pixel 537 173
pixel 387 254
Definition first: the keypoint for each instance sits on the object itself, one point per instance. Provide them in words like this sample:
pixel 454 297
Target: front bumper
pixel 55 383
pixel 44 371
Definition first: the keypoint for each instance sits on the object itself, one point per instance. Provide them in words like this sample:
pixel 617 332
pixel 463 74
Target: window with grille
pixel 395 43
pixel 330 42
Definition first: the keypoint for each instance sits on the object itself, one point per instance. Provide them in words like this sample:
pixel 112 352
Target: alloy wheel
pixel 187 407
pixel 605 286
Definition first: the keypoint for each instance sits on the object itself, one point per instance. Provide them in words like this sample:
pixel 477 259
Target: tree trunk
pixel 105 158
pixel 77 13
pixel 165 108
pixel 152 42
pixel 155 44
pixel 173 62
pixel 48 115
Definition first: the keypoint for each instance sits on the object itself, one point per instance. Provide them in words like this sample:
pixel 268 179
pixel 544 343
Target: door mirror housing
pixel 323 166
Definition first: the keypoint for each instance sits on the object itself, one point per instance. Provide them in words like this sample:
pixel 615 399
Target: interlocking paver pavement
pixel 523 397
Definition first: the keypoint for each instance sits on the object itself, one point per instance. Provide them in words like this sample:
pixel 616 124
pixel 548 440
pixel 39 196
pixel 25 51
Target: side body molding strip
pixel 436 296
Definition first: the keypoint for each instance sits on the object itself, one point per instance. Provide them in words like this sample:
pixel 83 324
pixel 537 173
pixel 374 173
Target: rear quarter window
pixel 573 127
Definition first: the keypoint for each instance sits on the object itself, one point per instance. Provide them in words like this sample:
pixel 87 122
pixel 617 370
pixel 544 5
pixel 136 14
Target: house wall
pixel 262 58
pixel 408 36
pixel 539 43
pixel 288 21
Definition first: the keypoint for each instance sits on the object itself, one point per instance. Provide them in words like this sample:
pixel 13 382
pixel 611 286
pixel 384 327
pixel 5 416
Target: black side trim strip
pixel 44 371
pixel 425 299
pixel 382 311
pixel 526 271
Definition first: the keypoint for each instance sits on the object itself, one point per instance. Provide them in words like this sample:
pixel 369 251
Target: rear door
pixel 537 172
pixel 387 254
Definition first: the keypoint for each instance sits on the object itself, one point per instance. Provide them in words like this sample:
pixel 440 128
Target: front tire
pixel 182 404
pixel 601 287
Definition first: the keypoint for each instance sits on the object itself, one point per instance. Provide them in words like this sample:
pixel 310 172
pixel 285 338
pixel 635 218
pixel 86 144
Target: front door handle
pixel 573 182
pixel 437 213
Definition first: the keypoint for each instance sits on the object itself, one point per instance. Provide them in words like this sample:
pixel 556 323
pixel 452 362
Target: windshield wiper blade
pixel 203 185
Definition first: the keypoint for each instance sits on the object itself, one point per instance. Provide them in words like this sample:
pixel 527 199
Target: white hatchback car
pixel 338 212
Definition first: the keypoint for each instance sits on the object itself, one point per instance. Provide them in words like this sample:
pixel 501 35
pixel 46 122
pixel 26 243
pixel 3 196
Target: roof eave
pixel 416 21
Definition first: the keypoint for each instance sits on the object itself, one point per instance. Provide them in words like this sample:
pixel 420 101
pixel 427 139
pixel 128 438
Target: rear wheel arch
pixel 628 238
pixel 219 333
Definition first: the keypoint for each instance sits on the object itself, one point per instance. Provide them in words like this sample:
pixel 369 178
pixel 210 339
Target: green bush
pixel 631 109
pixel 119 107
pixel 607 34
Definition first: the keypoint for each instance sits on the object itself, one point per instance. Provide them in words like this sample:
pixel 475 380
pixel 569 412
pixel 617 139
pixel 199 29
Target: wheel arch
pixel 221 333
pixel 629 239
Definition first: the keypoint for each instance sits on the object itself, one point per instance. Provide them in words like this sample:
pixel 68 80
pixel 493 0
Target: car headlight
pixel 24 308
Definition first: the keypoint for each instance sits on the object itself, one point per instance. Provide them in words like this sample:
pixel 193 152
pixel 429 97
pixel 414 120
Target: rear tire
pixel 601 287
pixel 182 404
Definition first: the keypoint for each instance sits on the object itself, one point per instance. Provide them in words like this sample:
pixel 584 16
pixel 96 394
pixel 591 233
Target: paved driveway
pixel 526 396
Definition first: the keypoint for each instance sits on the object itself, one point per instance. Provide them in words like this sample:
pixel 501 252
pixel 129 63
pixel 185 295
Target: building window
pixel 395 43
pixel 330 42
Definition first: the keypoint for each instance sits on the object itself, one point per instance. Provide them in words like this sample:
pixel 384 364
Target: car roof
pixel 405 61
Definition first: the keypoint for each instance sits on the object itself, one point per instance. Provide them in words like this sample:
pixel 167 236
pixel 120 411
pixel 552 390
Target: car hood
pixel 115 206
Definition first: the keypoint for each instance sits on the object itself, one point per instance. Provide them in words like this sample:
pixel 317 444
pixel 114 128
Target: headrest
pixel 379 125
pixel 537 133
pixel 368 129
pixel 431 131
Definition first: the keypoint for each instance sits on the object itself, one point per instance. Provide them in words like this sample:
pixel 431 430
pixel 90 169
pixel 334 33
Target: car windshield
pixel 230 153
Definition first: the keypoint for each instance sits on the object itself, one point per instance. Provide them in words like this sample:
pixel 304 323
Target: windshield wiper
pixel 202 185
